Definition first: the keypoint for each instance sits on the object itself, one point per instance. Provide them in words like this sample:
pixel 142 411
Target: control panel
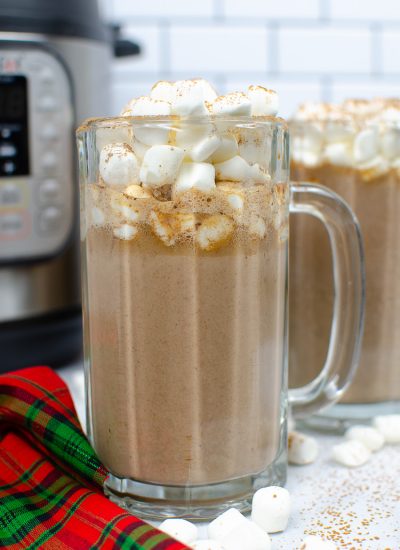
pixel 36 155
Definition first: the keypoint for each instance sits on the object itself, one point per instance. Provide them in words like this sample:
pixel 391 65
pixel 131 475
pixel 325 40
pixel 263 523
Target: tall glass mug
pixel 185 308
pixel 356 153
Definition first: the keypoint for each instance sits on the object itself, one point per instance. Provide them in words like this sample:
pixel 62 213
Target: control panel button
pixel 9 168
pixel 11 224
pixel 49 219
pixel 47 103
pixel 47 75
pixel 49 132
pixel 5 133
pixel 10 194
pixel 7 150
pixel 49 160
pixel 49 190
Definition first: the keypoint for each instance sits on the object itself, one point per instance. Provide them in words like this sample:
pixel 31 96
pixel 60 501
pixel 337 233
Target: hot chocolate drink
pixel 354 149
pixel 185 253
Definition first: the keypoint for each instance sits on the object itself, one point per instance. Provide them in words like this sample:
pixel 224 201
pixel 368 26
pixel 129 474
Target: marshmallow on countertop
pixel 302 449
pixel 233 104
pixel 161 165
pixel 389 426
pixel 247 535
pixel 195 175
pixel 264 102
pixel 351 453
pixel 118 165
pixel 181 529
pixel 313 542
pixel 271 508
pixel 367 435
pixel 214 232
pixel 225 523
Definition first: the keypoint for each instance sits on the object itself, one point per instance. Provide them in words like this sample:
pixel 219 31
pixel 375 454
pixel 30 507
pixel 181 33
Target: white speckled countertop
pixel 357 508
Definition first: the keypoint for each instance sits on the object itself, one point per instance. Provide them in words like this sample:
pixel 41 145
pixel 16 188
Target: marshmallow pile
pixel 362 441
pixel 190 172
pixel 359 134
pixel 232 530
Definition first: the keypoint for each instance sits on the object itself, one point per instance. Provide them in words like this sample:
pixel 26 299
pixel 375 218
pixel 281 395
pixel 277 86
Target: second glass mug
pixel 185 315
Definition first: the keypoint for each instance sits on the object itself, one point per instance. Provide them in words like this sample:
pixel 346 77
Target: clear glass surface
pixel 186 329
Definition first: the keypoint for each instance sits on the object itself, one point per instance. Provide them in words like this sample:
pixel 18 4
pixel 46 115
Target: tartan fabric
pixel 50 478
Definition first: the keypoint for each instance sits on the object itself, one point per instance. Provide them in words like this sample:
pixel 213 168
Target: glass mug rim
pixel 121 121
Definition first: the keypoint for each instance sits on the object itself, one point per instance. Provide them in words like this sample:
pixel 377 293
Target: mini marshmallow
pixel 181 529
pixel 205 148
pixel 313 542
pixel 234 196
pixel 125 232
pixel 235 104
pixel 227 149
pixel 257 227
pixel 352 453
pixel 234 169
pixel 302 449
pixel 207 545
pixel 163 90
pixel 195 175
pixel 146 106
pixel 118 165
pixel 171 227
pixel 339 154
pixel 195 86
pixel 225 523
pixel 257 174
pixel 390 143
pixel 123 207
pixel 214 232
pixel 151 133
pixel 370 437
pixel 127 110
pixel 137 192
pixel 160 165
pixel 247 535
pixel 271 508
pixel 389 426
pixel 264 102
pixel 189 99
pixel 98 217
pixel 366 145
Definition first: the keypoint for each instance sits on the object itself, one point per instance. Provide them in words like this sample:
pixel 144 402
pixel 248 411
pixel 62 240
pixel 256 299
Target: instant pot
pixel 54 72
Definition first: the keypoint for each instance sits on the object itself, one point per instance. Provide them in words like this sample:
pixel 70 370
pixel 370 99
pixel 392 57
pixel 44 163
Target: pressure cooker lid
pixel 78 18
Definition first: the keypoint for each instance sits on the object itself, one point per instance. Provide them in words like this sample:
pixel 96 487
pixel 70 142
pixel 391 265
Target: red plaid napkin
pixel 50 478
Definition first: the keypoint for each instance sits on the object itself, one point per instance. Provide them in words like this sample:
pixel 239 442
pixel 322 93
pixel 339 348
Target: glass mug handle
pixel 349 297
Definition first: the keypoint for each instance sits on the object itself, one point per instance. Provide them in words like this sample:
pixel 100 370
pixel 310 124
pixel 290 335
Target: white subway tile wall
pixel 305 49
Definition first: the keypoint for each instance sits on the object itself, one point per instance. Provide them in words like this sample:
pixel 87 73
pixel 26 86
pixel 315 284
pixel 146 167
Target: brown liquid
pixel 376 203
pixel 186 351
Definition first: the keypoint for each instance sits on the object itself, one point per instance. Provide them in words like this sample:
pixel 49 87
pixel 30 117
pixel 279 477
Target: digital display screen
pixel 14 153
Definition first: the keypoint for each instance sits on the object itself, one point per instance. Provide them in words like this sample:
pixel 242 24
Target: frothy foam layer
pixel 362 134
pixel 201 181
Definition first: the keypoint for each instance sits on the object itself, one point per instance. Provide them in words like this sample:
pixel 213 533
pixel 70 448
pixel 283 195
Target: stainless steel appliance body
pixel 54 72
